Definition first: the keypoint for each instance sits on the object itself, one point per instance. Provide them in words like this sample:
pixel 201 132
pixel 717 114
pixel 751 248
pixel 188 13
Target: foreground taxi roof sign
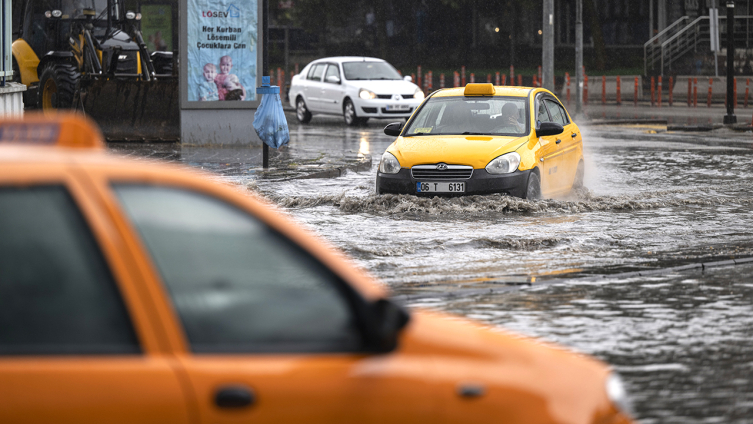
pixel 478 89
pixel 60 129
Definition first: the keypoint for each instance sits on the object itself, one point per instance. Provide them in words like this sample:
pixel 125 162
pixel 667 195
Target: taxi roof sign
pixel 479 89
pixel 59 129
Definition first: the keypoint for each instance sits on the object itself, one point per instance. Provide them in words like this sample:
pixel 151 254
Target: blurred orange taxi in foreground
pixel 137 292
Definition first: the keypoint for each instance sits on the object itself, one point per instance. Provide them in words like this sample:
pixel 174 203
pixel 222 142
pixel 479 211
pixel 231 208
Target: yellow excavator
pixel 89 55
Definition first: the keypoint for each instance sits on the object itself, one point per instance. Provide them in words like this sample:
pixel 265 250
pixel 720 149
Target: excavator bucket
pixel 133 110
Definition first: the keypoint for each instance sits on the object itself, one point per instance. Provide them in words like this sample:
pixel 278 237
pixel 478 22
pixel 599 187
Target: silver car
pixel 358 88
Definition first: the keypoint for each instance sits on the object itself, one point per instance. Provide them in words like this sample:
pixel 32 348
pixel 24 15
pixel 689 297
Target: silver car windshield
pixel 370 71
pixel 471 116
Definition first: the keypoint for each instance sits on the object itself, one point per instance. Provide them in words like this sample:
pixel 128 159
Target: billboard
pixel 222 54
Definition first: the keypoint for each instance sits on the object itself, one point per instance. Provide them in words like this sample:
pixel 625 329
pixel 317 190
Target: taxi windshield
pixel 370 71
pixel 496 115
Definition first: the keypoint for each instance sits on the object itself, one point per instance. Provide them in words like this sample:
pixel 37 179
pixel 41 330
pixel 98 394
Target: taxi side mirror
pixel 333 79
pixel 389 319
pixel 549 128
pixel 394 129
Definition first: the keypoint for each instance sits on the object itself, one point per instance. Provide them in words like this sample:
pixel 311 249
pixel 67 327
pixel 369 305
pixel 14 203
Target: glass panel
pixel 542 115
pixel 471 115
pixel 56 293
pixel 370 71
pixel 237 285
pixel 316 72
pixel 558 114
pixel 332 71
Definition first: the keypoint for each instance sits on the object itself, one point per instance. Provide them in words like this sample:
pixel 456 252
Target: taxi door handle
pixel 573 135
pixel 558 141
pixel 234 397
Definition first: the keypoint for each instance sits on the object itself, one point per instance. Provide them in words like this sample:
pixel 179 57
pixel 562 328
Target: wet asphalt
pixel 600 271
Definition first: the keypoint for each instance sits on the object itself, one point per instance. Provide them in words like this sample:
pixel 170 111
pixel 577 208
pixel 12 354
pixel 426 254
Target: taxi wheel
pixel 302 112
pixel 57 86
pixel 349 113
pixel 579 176
pixel 533 188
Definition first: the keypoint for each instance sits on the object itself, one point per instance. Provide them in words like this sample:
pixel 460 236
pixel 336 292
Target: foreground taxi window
pixel 237 285
pixel 56 293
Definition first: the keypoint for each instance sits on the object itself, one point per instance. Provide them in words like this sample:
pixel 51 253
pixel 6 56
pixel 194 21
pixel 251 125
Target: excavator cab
pixel 89 55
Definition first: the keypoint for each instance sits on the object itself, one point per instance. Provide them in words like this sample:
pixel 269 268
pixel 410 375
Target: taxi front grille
pixel 446 172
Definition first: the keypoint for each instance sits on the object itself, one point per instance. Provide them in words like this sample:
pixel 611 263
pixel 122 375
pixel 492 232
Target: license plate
pixel 440 187
pixel 398 107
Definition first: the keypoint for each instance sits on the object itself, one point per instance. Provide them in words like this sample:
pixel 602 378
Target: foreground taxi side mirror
pixel 389 319
pixel 549 128
pixel 394 129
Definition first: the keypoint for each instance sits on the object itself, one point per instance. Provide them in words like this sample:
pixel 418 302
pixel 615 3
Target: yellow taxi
pixel 139 292
pixel 482 139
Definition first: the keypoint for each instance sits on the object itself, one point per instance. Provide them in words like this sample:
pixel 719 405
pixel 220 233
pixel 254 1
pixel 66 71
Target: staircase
pixel 671 46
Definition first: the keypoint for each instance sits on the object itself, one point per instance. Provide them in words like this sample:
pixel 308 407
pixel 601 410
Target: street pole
pixel 547 46
pixel 730 117
pixel 578 57
pixel 265 67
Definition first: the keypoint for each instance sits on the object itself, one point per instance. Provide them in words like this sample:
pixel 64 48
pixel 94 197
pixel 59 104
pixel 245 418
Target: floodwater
pixel 557 268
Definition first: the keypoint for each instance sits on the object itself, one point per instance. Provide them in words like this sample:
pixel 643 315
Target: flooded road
pixel 682 340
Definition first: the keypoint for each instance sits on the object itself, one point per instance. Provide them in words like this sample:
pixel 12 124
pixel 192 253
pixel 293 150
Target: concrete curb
pixel 512 287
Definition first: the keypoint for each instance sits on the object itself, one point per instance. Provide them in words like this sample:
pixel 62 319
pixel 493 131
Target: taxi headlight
pixel 389 164
pixel 618 395
pixel 419 95
pixel 366 94
pixel 504 164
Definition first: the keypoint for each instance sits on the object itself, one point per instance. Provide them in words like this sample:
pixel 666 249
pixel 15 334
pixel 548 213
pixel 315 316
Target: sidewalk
pixel 678 117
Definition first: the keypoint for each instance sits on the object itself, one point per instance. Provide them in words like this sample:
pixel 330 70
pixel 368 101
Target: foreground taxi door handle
pixel 234 397
pixel 558 141
pixel 573 135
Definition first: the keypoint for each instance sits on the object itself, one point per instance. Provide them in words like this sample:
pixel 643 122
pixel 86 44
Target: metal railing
pixel 690 37
pixel 6 69
pixel 652 47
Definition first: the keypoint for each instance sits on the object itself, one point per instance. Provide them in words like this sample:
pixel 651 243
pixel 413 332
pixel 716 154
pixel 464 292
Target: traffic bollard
pixel 504 79
pixel 653 91
pixel 489 78
pixel 456 79
pixel 441 80
pixel 473 77
pixel 520 80
pixel 708 98
pixel 695 92
pixel 496 79
pixel 512 75
pixel 619 94
pixel 462 76
pixel 603 90
pixel 533 82
pixel 585 89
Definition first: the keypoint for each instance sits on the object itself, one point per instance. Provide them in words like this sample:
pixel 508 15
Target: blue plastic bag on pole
pixel 269 119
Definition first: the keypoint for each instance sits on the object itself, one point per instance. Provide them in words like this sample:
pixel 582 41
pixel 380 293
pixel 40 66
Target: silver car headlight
pixel 418 94
pixel 366 94
pixel 504 164
pixel 618 395
pixel 389 164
